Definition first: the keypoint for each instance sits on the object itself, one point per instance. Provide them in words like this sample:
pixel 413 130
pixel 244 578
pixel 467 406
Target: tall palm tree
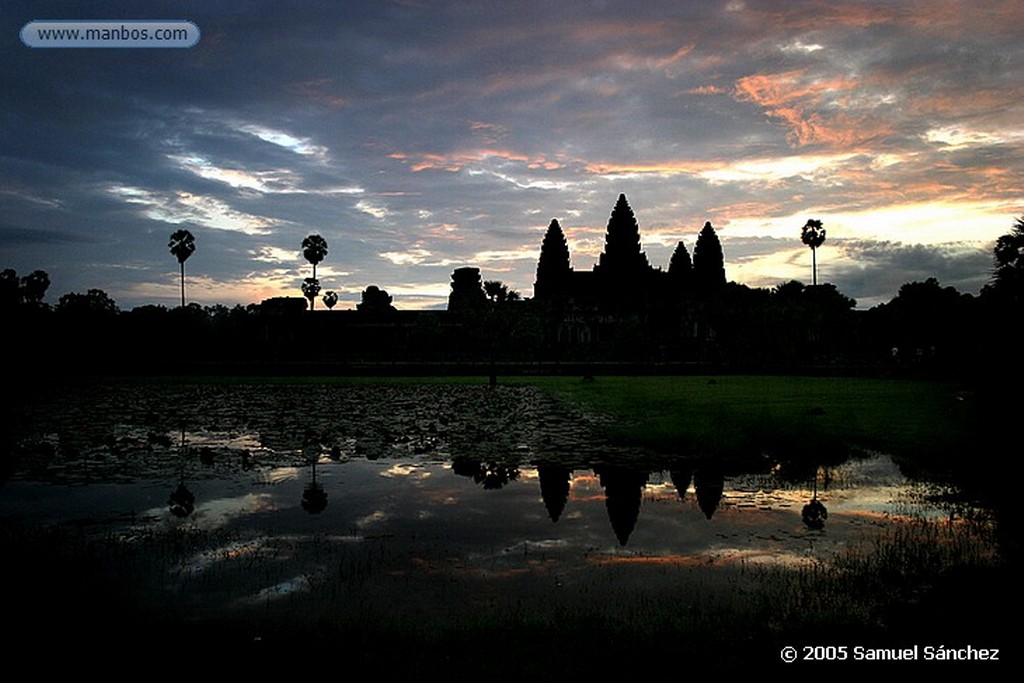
pixel 1008 278
pixel 813 235
pixel 314 248
pixel 182 245
pixel 1009 249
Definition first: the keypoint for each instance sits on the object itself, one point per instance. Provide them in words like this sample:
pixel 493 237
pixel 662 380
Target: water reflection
pixel 466 481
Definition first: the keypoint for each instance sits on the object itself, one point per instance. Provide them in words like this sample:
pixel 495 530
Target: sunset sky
pixel 418 136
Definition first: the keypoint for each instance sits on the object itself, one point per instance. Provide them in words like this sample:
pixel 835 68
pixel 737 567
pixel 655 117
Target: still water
pixel 440 494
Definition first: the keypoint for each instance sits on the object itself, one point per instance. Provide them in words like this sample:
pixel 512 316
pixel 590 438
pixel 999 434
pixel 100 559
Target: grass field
pixel 734 412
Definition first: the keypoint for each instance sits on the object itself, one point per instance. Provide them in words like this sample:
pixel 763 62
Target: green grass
pixel 734 413
pixel 729 413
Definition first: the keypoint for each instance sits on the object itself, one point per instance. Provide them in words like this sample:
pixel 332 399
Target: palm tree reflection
pixel 814 513
pixel 314 497
pixel 182 501
pixel 493 475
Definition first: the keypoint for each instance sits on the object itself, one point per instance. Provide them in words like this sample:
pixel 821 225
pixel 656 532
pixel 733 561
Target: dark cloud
pixel 878 269
pixel 11 238
pixel 418 136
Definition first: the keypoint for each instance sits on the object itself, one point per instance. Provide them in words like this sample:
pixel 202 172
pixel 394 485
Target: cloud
pixel 302 146
pixel 411 257
pixel 830 111
pixel 418 137
pixel 372 209
pixel 184 207
pixel 16 237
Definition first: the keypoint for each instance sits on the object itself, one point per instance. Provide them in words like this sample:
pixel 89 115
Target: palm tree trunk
pixel 312 302
pixel 814 267
pixel 182 284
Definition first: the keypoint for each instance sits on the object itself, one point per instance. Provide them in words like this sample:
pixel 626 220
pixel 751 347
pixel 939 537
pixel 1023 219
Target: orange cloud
pixel 800 101
pixel 659 168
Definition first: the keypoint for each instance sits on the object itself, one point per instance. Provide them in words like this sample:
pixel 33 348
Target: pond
pixel 399 508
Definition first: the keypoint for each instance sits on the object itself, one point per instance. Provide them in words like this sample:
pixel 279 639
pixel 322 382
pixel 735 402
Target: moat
pixel 255 506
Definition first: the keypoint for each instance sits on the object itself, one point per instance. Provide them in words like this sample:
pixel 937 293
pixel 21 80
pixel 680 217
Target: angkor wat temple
pixel 620 308
pixel 622 311
pixel 624 294
pixel 623 279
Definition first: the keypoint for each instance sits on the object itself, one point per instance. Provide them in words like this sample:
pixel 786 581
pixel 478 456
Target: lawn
pixel 730 412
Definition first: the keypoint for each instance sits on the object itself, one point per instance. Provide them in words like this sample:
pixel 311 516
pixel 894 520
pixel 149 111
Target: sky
pixel 419 136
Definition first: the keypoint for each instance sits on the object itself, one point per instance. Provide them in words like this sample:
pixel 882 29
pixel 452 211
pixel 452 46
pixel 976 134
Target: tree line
pixel 925 324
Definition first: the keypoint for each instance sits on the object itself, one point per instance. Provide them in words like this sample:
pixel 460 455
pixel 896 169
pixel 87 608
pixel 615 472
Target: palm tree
pixel 314 248
pixel 182 245
pixel 499 293
pixel 813 235
pixel 1008 278
pixel 1009 249
pixel 330 299
pixel 310 288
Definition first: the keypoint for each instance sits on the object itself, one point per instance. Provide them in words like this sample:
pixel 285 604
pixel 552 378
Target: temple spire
pixel 622 254
pixel 553 269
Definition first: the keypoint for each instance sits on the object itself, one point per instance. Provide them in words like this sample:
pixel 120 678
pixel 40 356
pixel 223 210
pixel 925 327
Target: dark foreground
pixel 462 570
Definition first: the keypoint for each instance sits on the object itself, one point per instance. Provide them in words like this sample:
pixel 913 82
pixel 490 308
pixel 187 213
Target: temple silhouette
pixel 623 279
pixel 623 314
pixel 624 308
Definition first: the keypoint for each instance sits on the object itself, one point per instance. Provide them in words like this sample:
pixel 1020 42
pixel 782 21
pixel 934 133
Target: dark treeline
pixel 623 312
pixel 925 326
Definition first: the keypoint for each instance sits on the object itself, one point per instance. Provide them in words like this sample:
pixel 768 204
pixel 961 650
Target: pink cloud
pixel 816 111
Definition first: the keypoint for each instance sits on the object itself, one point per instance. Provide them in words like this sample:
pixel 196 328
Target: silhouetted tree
pixel 330 300
pixel 708 261
pixel 499 293
pixel 788 291
pixel 10 288
pixel 1009 249
pixel 310 290
pixel 926 321
pixel 93 303
pixel 375 300
pixel 553 269
pixel 182 245
pixel 314 249
pixel 813 235
pixel 1008 278
pixel 497 321
pixel 34 286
